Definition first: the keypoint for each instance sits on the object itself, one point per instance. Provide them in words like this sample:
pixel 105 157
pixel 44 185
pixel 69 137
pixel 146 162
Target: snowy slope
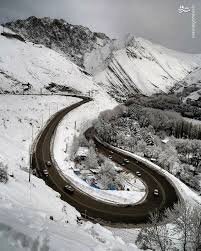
pixel 21 119
pixel 191 85
pixel 120 67
pixel 142 67
pixel 73 41
pixel 22 63
pixel 25 208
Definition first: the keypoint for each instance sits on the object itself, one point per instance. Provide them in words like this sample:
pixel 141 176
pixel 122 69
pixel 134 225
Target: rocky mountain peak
pixel 74 41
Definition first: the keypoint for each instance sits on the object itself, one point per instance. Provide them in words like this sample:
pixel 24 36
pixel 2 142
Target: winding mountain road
pixel 89 206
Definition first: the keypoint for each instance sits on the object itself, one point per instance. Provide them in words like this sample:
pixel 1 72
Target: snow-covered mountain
pixel 35 68
pixel 144 67
pixel 71 40
pixel 132 65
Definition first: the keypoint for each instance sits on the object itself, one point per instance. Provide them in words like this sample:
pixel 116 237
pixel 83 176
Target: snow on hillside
pixel 21 119
pixel 143 67
pixel 191 85
pixel 65 133
pixel 22 63
pixel 25 208
pixel 30 205
pixel 73 41
pixel 120 67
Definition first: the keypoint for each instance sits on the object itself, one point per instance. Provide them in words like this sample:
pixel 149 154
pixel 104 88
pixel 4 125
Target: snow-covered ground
pixel 25 208
pixel 64 135
pixel 21 119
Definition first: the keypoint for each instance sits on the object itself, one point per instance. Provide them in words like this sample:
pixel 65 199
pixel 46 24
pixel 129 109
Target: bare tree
pixel 180 229
pixel 156 237
pixel 74 147
pixel 107 174
pixel 92 159
pixel 3 173
pixel 186 225
pixel 196 228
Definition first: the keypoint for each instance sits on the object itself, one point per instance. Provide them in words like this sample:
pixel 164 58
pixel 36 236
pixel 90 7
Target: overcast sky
pixel 156 20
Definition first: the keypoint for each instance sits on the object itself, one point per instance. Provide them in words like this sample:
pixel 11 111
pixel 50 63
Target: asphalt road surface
pixel 88 206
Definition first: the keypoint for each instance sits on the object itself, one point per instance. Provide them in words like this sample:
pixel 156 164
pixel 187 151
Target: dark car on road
pixel 126 161
pixel 48 163
pixel 138 174
pixel 45 172
pixel 69 189
pixel 156 192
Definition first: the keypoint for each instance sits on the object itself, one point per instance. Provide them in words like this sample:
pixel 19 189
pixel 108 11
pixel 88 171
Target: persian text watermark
pixel 193 22
pixel 185 9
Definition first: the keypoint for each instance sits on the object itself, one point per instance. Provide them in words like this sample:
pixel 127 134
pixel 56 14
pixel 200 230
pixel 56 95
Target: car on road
pixel 45 172
pixel 110 156
pixel 126 161
pixel 138 174
pixel 111 152
pixel 69 189
pixel 156 192
pixel 48 163
pixel 34 171
pixel 153 160
pixel 122 164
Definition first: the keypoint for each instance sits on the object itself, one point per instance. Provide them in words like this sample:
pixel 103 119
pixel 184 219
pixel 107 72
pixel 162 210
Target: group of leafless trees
pixel 180 229
pixel 170 122
pixel 3 173
pixel 189 152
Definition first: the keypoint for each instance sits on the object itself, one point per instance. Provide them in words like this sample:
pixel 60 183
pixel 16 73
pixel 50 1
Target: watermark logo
pixel 185 9
pixel 193 21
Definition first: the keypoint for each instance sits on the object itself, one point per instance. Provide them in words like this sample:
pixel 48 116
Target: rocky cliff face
pixel 144 67
pixel 73 41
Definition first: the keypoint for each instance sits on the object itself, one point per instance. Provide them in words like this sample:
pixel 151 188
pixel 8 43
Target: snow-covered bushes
pixel 181 230
pixel 142 130
pixel 78 141
pixel 108 175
